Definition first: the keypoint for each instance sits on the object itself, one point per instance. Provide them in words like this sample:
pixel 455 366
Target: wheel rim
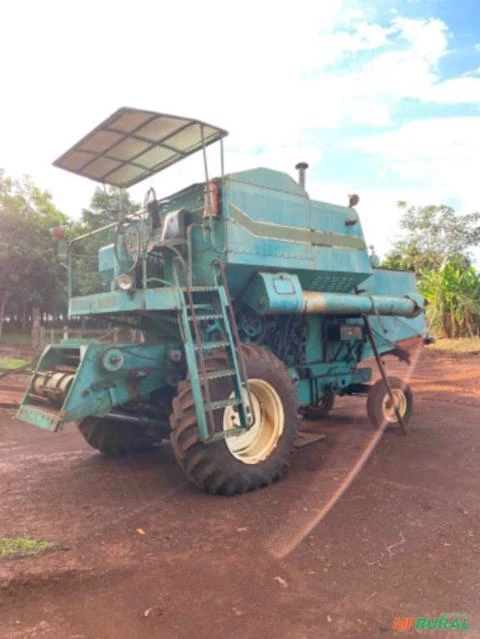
pixel 256 444
pixel 388 409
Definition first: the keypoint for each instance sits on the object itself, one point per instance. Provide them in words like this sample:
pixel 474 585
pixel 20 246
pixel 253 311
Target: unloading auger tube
pixel 338 304
pixel 343 304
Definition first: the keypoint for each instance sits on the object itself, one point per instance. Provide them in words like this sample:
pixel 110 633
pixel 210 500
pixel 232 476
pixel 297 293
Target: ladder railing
pixel 246 417
pixel 199 304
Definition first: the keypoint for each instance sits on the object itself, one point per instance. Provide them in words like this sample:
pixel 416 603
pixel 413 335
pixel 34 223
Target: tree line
pixel 434 242
pixel 30 274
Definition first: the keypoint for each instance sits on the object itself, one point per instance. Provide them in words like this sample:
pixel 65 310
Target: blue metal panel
pixel 390 330
pixel 95 390
pixel 155 299
pixel 271 223
pixel 107 265
pixel 279 291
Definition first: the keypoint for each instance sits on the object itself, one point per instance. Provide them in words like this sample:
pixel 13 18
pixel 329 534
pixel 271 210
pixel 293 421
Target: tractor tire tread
pixel 206 465
pixel 115 439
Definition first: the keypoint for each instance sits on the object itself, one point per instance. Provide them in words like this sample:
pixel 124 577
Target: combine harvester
pixel 255 302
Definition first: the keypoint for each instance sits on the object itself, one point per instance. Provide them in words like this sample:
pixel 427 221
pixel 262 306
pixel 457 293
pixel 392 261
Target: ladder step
pixel 222 403
pixel 208 346
pixel 200 289
pixel 206 318
pixel 229 372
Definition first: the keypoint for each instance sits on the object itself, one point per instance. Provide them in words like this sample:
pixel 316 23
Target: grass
pixel 16 339
pixel 21 546
pixel 11 363
pixel 464 345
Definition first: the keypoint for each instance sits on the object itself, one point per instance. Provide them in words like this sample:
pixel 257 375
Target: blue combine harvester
pixel 255 303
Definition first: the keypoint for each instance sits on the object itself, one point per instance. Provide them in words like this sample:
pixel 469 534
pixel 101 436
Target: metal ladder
pixel 200 304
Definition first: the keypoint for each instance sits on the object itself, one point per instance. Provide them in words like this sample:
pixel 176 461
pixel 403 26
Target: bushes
pixel 453 301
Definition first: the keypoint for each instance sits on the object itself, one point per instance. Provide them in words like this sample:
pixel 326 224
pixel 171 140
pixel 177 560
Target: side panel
pixel 271 223
pixel 106 376
pixel 388 331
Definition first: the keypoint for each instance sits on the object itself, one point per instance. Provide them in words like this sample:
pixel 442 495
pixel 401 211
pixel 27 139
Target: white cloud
pixel 464 90
pixel 432 161
pixel 235 68
pixel 402 64
pixel 427 36
pixel 265 75
pixel 280 77
pixel 443 142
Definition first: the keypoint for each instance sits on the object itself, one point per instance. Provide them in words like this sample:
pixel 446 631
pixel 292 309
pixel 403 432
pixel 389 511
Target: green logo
pixel 447 621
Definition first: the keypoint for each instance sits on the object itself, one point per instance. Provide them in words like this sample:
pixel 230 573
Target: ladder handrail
pixel 198 343
pixel 236 341
pixel 189 324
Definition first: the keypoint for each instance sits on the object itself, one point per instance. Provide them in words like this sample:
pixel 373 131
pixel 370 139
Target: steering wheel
pixel 128 242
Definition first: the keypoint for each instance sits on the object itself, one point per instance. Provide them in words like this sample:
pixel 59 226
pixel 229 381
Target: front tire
pixel 116 438
pixel 380 410
pixel 253 459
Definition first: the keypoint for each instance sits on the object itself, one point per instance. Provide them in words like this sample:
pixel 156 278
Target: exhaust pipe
pixel 301 168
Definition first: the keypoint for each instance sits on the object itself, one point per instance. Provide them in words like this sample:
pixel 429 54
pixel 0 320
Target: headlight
pixel 125 282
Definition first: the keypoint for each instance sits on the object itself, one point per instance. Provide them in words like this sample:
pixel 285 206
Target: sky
pixel 381 98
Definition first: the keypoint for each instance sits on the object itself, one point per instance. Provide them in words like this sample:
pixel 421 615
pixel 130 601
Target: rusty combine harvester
pixel 255 302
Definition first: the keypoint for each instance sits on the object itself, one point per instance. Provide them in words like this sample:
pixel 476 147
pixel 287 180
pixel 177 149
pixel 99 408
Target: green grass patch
pixel 465 345
pixel 16 339
pixel 11 363
pixel 21 546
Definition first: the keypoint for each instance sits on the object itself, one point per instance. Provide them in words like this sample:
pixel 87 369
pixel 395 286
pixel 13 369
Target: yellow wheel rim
pixel 256 444
pixel 388 409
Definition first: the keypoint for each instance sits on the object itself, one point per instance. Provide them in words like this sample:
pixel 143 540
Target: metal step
pixel 201 289
pixel 208 346
pixel 39 415
pixel 206 318
pixel 228 372
pixel 222 403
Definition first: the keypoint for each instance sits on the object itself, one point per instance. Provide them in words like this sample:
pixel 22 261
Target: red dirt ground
pixel 402 541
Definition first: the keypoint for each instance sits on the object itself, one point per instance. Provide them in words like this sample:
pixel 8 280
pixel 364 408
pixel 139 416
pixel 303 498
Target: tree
pixel 107 206
pixel 432 237
pixel 453 300
pixel 29 273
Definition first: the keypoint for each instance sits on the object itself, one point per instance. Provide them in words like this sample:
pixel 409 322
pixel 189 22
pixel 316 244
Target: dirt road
pixel 143 554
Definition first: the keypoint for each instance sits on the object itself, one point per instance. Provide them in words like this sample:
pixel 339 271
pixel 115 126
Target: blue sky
pixel 380 97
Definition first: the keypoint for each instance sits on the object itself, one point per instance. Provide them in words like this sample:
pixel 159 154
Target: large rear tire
pixel 253 459
pixel 116 438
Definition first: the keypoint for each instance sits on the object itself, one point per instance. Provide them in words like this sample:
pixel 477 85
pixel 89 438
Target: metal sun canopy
pixel 134 144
